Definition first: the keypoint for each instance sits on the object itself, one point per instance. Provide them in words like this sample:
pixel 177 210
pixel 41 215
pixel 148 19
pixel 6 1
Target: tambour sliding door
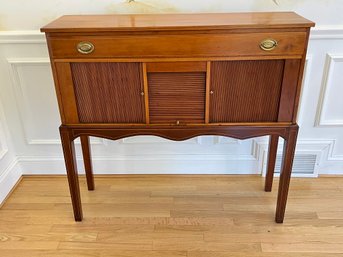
pixel 253 90
pixel 177 92
pixel 105 92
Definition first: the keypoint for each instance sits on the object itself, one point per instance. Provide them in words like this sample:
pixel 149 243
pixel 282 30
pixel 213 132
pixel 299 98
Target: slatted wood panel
pixel 177 96
pixel 109 92
pixel 245 91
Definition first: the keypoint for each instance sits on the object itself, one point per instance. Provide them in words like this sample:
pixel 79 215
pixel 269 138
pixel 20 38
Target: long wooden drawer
pixel 179 45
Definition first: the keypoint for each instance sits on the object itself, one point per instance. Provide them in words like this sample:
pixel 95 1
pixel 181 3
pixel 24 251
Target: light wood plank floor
pixel 169 216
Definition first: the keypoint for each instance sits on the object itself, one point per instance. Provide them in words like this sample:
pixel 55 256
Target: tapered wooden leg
pixel 87 161
pixel 70 162
pixel 273 143
pixel 286 170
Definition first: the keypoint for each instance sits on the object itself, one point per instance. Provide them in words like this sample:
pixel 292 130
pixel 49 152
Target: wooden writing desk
pixel 178 76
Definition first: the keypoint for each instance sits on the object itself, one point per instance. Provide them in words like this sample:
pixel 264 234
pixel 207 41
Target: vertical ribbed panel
pixel 177 96
pixel 108 92
pixel 245 91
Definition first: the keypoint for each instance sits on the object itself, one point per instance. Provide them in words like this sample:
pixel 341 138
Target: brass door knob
pixel 211 92
pixel 85 47
pixel 268 44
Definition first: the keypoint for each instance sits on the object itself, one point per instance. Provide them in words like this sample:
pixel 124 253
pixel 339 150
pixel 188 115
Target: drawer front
pixel 179 45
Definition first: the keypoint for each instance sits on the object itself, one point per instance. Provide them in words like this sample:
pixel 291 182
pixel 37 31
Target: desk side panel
pixel 66 89
pixel 289 90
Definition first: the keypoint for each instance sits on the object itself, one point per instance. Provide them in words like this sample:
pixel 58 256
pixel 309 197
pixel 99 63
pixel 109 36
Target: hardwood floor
pixel 169 216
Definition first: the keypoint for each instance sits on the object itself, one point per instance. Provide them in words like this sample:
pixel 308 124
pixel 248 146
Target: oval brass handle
pixel 268 44
pixel 85 47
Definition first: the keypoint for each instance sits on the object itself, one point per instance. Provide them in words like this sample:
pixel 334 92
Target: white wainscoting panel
pixel 3 144
pixel 331 98
pixel 8 178
pixel 10 170
pixel 3 140
pixel 35 96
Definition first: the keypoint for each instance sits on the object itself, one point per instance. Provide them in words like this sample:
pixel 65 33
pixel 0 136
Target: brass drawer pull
pixel 85 47
pixel 268 44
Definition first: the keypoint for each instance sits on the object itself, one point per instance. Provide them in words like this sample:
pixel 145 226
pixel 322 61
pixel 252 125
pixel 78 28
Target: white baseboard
pixel 144 165
pixel 332 167
pixel 9 178
pixel 326 162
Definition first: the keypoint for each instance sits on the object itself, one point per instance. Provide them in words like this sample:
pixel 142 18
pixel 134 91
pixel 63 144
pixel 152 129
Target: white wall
pixel 29 120
pixel 36 13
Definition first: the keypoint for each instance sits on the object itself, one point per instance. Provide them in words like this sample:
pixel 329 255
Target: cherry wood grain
pixel 152 22
pixel 181 59
pixel 272 152
pixel 56 82
pixel 245 91
pixel 300 79
pixel 146 93
pixel 286 170
pixel 176 66
pixel 179 45
pixel 109 92
pixel 208 83
pixel 71 167
pixel 289 90
pixel 179 133
pixel 65 89
pixel 87 160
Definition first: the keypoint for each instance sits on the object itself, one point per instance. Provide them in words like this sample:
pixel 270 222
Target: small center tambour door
pixel 177 92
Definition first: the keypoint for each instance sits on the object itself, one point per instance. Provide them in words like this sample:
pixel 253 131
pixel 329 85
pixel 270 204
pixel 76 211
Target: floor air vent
pixel 303 164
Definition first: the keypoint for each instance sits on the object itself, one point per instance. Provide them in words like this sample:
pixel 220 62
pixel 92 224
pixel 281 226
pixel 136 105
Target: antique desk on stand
pixel 178 76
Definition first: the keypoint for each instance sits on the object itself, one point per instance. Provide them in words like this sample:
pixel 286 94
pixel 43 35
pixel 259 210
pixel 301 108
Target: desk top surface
pixel 165 22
